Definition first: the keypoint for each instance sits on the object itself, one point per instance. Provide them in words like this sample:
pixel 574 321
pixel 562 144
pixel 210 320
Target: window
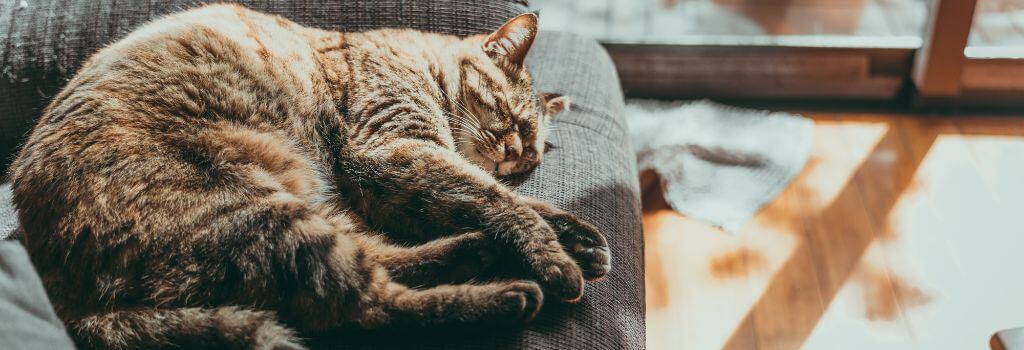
pixel 856 50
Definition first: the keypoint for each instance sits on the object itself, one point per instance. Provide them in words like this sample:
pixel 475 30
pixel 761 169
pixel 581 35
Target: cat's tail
pixel 186 328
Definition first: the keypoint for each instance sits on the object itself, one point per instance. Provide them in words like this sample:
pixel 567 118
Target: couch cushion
pixel 28 319
pixel 8 222
pixel 591 173
pixel 43 42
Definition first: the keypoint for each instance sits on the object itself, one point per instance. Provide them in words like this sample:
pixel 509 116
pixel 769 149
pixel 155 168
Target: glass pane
pixel 856 23
pixel 998 30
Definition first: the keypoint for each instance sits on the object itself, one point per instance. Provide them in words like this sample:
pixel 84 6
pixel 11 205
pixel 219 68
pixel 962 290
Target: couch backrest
pixel 43 42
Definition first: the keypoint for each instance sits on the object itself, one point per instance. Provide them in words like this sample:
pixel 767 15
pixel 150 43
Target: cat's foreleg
pixel 439 186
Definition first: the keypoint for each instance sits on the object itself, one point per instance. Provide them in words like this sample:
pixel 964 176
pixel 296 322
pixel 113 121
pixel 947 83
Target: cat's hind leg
pixel 184 328
pixel 396 305
pixel 452 259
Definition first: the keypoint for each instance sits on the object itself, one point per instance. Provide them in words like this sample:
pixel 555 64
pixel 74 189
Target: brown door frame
pixel 939 63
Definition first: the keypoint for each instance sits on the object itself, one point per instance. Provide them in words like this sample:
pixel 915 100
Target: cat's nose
pixel 513 147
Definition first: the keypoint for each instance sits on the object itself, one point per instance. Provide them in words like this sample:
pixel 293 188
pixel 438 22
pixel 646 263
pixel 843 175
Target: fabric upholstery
pixel 28 319
pixel 43 42
pixel 591 172
pixel 8 220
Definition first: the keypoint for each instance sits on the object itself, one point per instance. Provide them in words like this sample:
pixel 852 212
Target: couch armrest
pixel 592 173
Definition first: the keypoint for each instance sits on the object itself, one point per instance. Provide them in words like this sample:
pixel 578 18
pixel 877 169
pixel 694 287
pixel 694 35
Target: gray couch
pixel 591 173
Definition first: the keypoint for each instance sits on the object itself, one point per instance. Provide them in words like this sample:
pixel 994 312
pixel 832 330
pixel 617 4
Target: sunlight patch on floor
pixel 702 282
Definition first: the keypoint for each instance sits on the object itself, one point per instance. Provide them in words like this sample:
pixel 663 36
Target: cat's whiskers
pixel 456 103
pixel 461 141
pixel 470 127
pixel 471 117
pixel 467 129
pixel 466 121
pixel 466 126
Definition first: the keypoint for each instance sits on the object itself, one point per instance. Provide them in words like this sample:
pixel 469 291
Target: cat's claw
pixel 600 262
pixel 584 243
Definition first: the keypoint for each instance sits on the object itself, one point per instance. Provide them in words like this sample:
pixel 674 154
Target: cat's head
pixel 500 123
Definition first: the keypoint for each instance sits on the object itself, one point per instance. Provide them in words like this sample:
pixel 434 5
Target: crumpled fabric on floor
pixel 718 164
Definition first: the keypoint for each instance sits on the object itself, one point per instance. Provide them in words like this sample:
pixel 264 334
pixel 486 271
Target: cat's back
pixel 157 96
pixel 253 37
pixel 219 60
pixel 225 29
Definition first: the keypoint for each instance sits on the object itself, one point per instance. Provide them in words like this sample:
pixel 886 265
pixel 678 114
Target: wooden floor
pixel 901 233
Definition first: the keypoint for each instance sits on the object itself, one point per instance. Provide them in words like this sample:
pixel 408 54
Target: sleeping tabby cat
pixel 222 177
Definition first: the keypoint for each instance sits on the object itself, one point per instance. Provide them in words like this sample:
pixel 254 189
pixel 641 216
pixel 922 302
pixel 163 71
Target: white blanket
pixel 718 164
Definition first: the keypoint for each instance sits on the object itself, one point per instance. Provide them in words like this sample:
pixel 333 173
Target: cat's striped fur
pixel 220 177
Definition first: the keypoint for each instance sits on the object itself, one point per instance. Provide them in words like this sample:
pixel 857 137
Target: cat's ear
pixel 554 103
pixel 508 45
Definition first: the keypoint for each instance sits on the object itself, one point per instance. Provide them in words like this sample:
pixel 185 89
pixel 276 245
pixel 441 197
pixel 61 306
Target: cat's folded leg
pixel 443 189
pixel 453 259
pixel 386 302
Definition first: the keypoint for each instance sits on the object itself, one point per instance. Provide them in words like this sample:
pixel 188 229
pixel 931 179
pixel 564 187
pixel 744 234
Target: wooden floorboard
pixel 903 232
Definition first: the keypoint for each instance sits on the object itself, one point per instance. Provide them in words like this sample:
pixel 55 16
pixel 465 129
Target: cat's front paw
pixel 583 242
pixel 558 274
pixel 523 300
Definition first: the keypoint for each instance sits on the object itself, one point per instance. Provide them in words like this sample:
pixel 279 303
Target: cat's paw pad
pixel 524 300
pixel 585 244
pixel 595 262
